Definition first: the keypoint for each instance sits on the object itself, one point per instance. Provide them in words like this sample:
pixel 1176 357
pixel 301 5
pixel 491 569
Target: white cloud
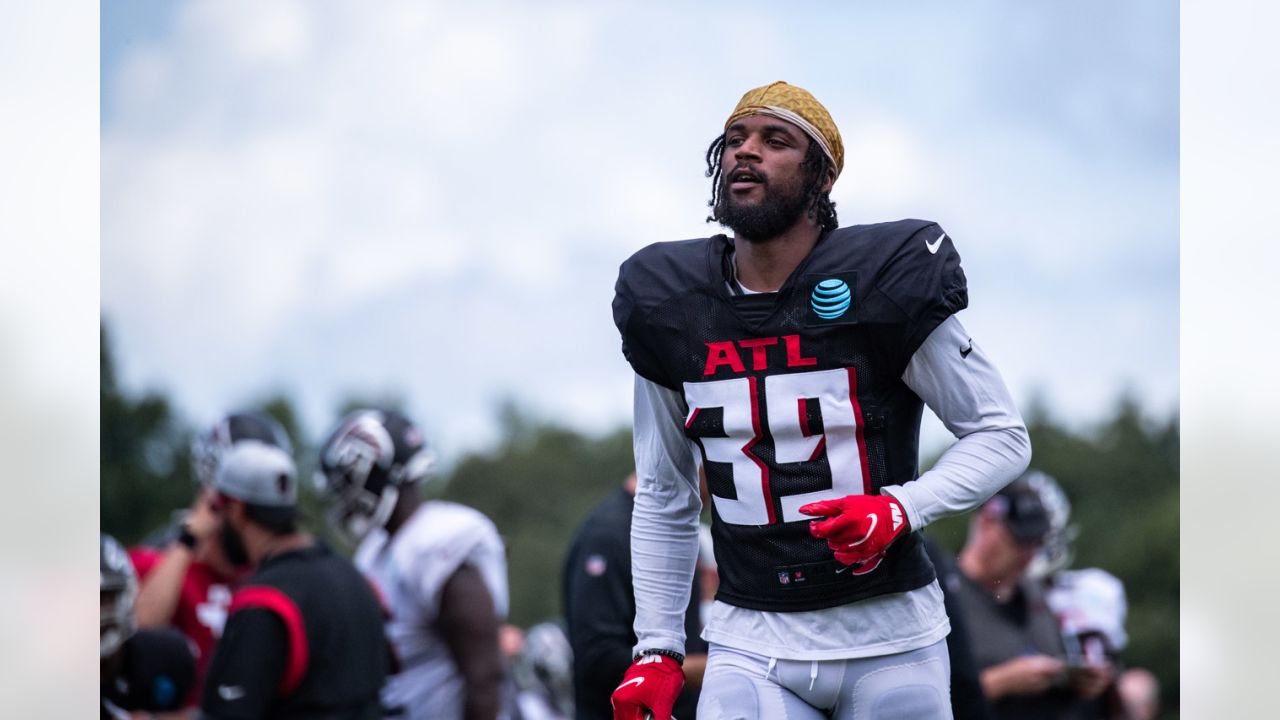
pixel 337 197
pixel 884 165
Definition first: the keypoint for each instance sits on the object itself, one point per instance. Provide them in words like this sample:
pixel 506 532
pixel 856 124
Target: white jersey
pixel 967 394
pixel 410 571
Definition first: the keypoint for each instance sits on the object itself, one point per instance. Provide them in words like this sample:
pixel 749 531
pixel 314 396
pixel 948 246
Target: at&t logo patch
pixel 831 298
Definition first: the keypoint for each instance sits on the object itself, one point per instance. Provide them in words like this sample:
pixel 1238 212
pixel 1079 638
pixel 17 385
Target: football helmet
pixel 1056 552
pixel 545 666
pixel 209 447
pixel 364 464
pixel 1089 602
pixel 119 588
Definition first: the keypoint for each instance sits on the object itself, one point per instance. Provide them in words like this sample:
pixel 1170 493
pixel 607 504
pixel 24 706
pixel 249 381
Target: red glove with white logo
pixel 651 684
pixel 859 528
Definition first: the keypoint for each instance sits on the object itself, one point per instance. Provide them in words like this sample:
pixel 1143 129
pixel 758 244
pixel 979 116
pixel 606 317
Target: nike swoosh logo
pixel 874 520
pixel 965 352
pixel 861 568
pixel 633 681
pixel 230 692
pixel 933 246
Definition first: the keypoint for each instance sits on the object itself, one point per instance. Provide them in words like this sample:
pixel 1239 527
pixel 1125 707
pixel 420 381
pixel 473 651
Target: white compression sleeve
pixel 969 396
pixel 664 523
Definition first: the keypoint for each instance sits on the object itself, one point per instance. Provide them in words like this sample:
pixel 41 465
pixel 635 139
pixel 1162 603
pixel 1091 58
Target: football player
pixel 794 359
pixel 141 670
pixel 187 582
pixel 118 591
pixel 440 567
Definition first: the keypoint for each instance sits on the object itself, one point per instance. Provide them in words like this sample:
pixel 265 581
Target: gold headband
pixel 798 107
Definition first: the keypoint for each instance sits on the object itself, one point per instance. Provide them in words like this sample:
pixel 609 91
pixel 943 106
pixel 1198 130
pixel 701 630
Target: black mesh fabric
pixel 673 303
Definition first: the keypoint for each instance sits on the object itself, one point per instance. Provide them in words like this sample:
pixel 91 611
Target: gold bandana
pixel 798 107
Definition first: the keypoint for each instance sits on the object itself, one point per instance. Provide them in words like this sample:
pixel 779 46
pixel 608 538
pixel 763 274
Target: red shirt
pixel 201 610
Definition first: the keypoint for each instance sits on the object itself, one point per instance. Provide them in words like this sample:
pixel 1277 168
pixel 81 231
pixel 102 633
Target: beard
pixel 232 545
pixel 780 208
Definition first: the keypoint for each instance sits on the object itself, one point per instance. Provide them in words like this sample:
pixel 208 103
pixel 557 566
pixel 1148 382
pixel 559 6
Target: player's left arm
pixel 468 624
pixel 922 285
pixel 956 379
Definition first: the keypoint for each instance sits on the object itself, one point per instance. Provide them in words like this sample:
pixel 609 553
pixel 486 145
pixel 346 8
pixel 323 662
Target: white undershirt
pixel 992 448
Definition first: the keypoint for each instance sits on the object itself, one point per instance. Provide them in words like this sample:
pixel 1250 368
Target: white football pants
pixel 740 685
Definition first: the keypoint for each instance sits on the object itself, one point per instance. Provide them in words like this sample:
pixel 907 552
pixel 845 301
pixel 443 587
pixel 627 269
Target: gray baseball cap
pixel 258 474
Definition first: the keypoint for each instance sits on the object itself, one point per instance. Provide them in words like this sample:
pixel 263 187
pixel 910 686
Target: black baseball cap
pixel 1019 507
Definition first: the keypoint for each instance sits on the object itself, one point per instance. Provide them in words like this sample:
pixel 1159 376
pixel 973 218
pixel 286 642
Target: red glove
pixel 650 685
pixel 859 528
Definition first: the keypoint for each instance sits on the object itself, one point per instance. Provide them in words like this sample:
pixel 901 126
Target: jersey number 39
pixel 787 399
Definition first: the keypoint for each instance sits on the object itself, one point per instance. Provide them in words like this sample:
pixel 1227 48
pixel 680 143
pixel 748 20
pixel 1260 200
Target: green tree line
pixel 541 479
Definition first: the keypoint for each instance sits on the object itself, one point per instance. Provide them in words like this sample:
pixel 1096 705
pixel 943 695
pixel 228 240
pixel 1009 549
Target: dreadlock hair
pixel 815 166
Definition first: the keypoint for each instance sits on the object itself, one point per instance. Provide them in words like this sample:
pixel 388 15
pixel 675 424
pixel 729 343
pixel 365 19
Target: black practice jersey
pixel 304 639
pixel 795 396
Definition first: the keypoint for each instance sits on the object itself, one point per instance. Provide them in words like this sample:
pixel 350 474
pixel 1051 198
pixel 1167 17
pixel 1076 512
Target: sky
pixel 431 201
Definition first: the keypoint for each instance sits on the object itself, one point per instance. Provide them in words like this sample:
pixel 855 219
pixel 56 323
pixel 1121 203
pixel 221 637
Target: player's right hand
pixel 651 684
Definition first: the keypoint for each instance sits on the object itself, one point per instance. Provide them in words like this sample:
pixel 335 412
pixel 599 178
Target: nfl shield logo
pixel 596 565
pixel 784 577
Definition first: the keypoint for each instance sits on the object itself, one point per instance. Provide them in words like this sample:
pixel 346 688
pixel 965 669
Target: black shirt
pixel 1024 625
pixel 304 639
pixel 967 700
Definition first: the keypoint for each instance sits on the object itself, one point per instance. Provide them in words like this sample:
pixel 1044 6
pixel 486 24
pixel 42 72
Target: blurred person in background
pixel 967 699
pixel 144 673
pixel 968 702
pixel 1025 669
pixel 303 638
pixel 440 567
pixel 600 609
pixel 542 671
pixel 187 581
pixel 795 359
pixel 1091 607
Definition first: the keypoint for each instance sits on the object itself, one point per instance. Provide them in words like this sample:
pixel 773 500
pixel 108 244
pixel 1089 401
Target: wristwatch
pixel 186 537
